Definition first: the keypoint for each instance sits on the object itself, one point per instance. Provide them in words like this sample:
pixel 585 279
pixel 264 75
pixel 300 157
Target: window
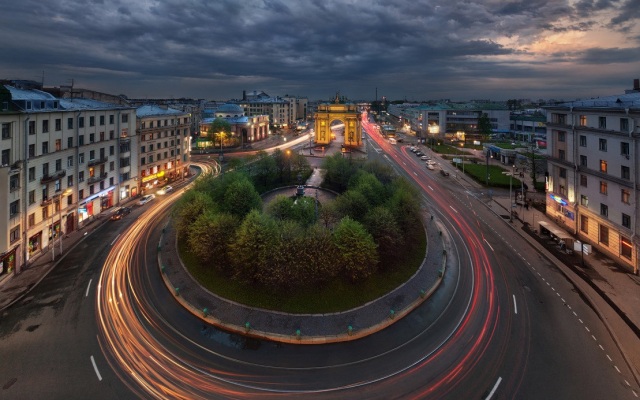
pixel 32 220
pixel 80 122
pixel 32 174
pixel 602 144
pixel 32 127
pixel 624 125
pixel 101 120
pixel 14 208
pixel 626 248
pixel 6 155
pixel 111 119
pixel 151 158
pixel 562 190
pixel 624 172
pixel 92 154
pixel 584 200
pixel 45 169
pixel 561 154
pixel 583 120
pixel 45 147
pixel 32 197
pixel 58 144
pixel 143 161
pixel 81 176
pixel 45 126
pixel 624 149
pixel 14 235
pixel 111 135
pixel 143 149
pixel 81 194
pixel 45 213
pixel 70 181
pixel 102 136
pixel 602 122
pixel 70 161
pixel 70 200
pixel 561 136
pixel 603 166
pixel 583 180
pixel 81 158
pixel 125 118
pixel 562 172
pixel 112 150
pixel 584 224
pixel 603 187
pixel 69 142
pixel 92 137
pixel 604 235
pixel 58 124
pixel 6 131
pixel 112 166
pixel 14 182
pixel 81 140
pixel 69 123
pixel 625 196
pixel 604 210
pixel 59 164
pixel 111 181
pixel 626 220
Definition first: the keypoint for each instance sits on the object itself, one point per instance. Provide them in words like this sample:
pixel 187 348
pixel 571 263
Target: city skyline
pixel 405 50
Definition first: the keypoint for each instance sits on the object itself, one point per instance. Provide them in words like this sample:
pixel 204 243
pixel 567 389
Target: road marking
pixel 579 319
pixel 574 313
pixel 88 287
pixel 453 209
pixel 587 329
pixel 414 172
pixel 114 240
pixel 617 369
pixel 594 338
pixel 429 187
pixel 634 393
pixel 495 387
pixel 625 381
pixel 609 358
pixel 601 348
pixel 515 306
pixel 489 245
pixel 95 367
pixel 562 300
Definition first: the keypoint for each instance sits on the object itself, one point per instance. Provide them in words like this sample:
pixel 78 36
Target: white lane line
pixel 574 313
pixel 562 300
pixel 114 240
pixel 594 338
pixel 625 381
pixel 88 287
pixel 429 187
pixel 453 209
pixel 489 245
pixel 634 393
pixel 587 329
pixel 609 358
pixel 495 387
pixel 515 306
pixel 579 319
pixel 95 367
pixel 601 348
pixel 617 369
pixel 414 172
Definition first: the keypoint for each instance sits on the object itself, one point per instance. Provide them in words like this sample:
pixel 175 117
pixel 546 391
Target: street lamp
pixel 510 201
pixel 59 198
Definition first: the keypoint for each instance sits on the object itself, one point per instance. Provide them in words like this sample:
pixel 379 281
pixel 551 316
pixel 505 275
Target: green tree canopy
pixel 357 253
pixel 484 126
pixel 381 223
pixel 191 205
pixel 209 239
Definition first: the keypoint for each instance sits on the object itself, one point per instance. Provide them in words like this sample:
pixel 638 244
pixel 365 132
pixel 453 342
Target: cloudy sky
pixel 407 49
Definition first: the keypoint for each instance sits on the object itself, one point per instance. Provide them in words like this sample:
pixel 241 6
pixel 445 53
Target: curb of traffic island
pixel 298 336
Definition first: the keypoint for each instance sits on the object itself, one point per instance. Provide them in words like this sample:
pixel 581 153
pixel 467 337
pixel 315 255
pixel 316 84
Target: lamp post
pixel 510 201
pixel 487 177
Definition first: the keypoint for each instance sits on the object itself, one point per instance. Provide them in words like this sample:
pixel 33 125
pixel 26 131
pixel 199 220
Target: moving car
pixel 425 158
pixel 430 162
pixel 119 213
pixel 146 199
pixel 165 190
pixel 430 167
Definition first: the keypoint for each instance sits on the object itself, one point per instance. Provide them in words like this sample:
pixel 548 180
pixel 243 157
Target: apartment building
pixel 281 113
pixel 592 185
pixel 164 145
pixel 63 162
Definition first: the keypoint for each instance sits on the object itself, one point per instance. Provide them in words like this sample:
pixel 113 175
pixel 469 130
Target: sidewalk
pixel 15 287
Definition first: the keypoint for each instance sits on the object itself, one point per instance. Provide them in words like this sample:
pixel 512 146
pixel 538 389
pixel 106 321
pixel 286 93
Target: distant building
pixel 283 112
pixel 594 160
pixel 164 146
pixel 244 129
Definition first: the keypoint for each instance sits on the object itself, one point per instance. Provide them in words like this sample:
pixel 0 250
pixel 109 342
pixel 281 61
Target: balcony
pixel 46 202
pixel 53 177
pixel 98 161
pixel 97 178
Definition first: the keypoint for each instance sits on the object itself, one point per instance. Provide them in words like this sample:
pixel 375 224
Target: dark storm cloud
pixel 215 49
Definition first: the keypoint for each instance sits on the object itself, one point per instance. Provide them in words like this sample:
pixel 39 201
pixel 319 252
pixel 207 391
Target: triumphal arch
pixel 346 113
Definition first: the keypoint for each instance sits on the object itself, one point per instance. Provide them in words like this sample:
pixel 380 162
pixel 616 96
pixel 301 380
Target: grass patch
pixel 338 295
pixel 446 149
pixel 496 177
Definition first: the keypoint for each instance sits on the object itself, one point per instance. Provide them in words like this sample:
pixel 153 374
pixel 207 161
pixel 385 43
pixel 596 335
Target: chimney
pixel 636 84
pixel 244 94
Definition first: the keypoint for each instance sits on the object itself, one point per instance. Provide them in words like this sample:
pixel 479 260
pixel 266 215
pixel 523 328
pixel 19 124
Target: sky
pixel 402 49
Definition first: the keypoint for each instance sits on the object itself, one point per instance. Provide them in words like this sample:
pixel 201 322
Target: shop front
pixel 153 180
pixel 8 262
pixel 35 244
pixel 562 211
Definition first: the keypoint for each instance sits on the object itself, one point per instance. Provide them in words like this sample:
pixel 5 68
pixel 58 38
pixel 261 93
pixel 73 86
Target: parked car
pixel 425 158
pixel 419 153
pixel 430 167
pixel 119 213
pixel 146 199
pixel 165 190
pixel 430 162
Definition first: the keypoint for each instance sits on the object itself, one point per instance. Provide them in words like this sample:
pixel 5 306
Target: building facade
pixel 63 162
pixel 282 112
pixel 164 145
pixel 593 159
pixel 244 129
